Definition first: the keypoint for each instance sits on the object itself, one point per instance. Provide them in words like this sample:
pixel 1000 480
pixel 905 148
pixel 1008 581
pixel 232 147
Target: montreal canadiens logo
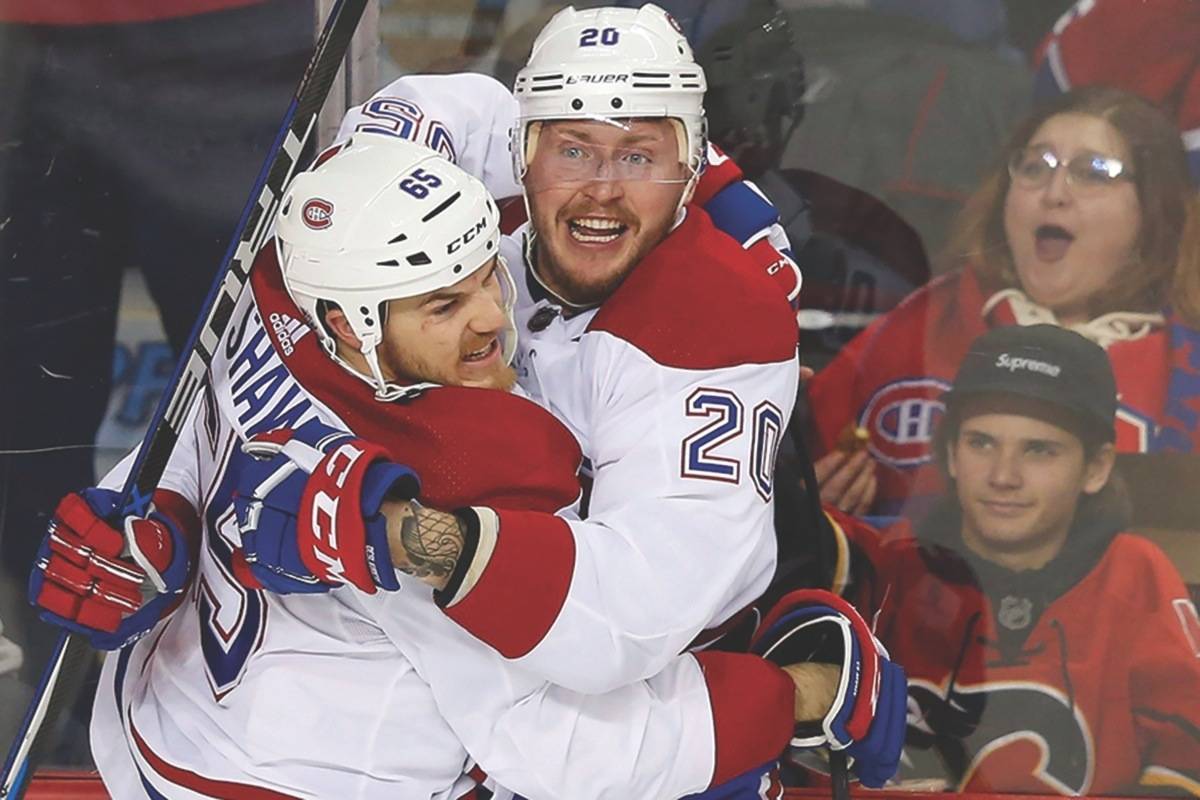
pixel 317 214
pixel 901 417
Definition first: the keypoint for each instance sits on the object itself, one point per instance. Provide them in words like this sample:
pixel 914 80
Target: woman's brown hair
pixel 1166 268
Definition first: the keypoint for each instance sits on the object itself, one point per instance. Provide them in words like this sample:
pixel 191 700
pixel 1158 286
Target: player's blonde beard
pixel 580 292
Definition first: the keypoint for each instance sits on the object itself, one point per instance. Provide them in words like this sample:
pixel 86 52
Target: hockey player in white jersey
pixel 632 336
pixel 348 695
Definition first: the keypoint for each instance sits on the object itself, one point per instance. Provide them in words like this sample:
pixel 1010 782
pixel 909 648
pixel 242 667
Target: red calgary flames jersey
pixel 1082 677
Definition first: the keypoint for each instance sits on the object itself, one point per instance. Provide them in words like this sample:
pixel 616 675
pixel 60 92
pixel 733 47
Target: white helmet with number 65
pixel 382 219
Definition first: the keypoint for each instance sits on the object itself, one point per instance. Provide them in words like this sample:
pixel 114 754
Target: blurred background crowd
pixel 941 167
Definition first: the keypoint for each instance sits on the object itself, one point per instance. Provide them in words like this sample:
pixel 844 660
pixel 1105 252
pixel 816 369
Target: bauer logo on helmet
pixel 604 77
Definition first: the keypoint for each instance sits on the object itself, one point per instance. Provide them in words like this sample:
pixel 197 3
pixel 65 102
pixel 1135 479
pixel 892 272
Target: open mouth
pixel 596 230
pixel 1052 242
pixel 483 353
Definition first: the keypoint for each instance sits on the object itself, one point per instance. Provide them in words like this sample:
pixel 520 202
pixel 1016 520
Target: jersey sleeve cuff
pixel 480 525
pixel 515 584
pixel 752 708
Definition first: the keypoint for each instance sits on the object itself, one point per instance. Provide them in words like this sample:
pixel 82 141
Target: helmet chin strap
pixel 385 390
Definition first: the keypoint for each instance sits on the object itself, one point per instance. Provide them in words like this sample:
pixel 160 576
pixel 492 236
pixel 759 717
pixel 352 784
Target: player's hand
pixel 108 585
pixel 867 715
pixel 308 507
pixel 847 480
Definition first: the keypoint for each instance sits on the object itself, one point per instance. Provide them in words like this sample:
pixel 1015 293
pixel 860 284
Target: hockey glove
pixel 867 718
pixel 111 587
pixel 308 507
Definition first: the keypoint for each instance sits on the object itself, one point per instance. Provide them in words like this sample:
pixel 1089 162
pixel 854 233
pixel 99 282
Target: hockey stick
pixel 64 674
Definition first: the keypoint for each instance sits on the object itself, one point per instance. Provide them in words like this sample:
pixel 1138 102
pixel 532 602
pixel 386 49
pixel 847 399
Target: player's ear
pixel 339 326
pixel 1098 468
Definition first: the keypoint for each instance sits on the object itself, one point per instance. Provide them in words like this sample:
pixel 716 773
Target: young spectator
pixel 1108 245
pixel 1048 651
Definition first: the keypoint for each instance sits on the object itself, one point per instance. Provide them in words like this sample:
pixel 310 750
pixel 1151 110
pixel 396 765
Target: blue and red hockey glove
pixel 109 585
pixel 867 718
pixel 308 507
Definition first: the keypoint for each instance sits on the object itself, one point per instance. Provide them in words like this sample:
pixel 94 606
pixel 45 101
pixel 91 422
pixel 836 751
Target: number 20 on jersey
pixel 727 420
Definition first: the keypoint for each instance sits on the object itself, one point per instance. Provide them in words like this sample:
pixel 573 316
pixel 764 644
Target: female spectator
pixel 1088 222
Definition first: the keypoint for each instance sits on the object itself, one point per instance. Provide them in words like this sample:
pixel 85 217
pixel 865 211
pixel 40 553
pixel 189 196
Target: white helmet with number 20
pixel 610 64
pixel 382 219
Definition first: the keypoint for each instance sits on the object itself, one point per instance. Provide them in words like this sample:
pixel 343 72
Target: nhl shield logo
pixel 317 214
pixel 1015 612
pixel 901 417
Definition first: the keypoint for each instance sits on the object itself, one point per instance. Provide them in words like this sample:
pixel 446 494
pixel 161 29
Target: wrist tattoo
pixel 432 540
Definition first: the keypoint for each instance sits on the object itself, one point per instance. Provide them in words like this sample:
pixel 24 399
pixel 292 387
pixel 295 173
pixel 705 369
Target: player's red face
pixel 1019 479
pixel 601 196
pixel 1071 230
pixel 451 336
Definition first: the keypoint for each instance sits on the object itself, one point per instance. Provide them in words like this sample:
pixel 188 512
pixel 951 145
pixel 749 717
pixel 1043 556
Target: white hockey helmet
pixel 610 64
pixel 383 219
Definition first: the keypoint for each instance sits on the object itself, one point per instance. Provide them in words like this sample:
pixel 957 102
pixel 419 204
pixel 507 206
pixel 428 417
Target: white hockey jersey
pixel 465 117
pixel 243 693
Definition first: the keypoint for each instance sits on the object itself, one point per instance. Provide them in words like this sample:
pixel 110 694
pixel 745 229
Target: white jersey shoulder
pixel 466 117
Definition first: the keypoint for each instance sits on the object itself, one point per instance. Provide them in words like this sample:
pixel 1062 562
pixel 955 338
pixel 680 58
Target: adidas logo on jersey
pixel 288 331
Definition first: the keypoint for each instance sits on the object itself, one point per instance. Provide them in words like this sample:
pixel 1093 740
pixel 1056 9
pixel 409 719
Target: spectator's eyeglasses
pixel 1033 168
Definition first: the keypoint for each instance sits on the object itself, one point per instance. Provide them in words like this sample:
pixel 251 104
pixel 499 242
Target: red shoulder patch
pixel 470 446
pixel 699 301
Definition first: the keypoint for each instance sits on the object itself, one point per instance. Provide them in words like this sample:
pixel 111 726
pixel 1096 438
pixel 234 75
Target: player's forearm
pixel 424 542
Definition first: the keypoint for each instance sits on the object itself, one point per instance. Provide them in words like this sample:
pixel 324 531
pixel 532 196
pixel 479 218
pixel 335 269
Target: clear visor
pixel 569 153
pixel 508 301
